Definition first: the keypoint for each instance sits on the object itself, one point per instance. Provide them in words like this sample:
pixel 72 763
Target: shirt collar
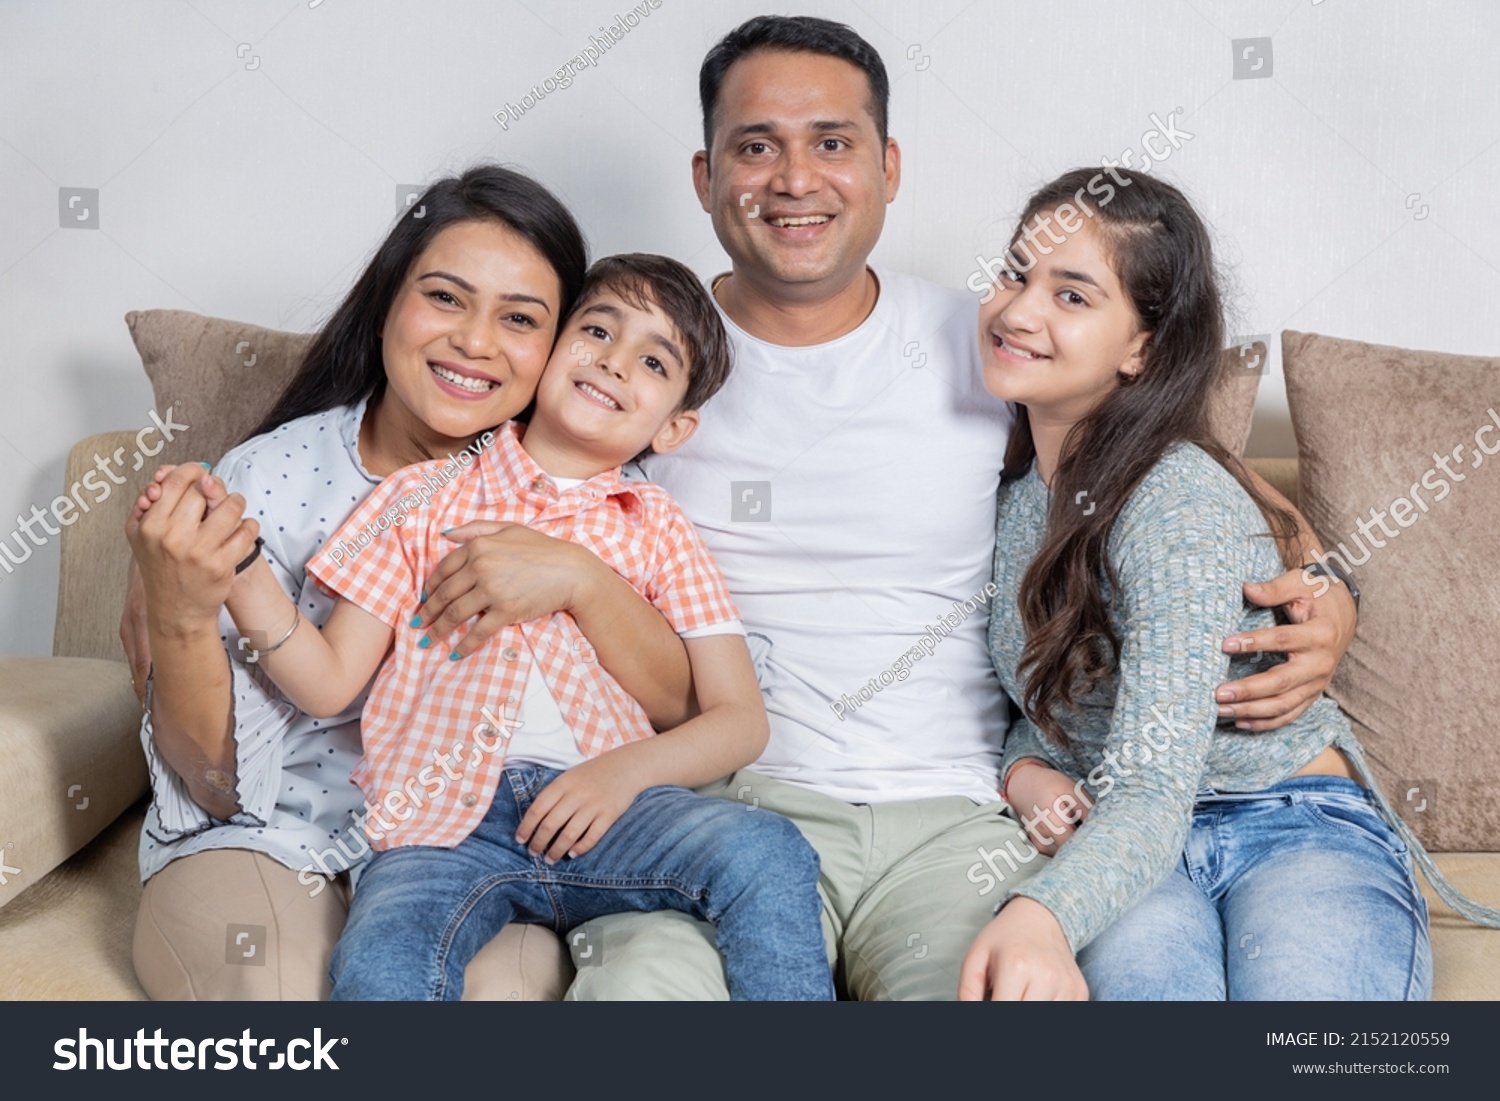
pixel 520 474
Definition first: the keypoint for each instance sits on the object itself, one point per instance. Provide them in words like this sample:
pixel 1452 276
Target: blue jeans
pixel 420 913
pixel 1301 891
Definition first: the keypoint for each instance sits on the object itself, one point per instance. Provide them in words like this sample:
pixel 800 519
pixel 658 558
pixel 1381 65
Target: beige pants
pixel 231 924
pixel 906 887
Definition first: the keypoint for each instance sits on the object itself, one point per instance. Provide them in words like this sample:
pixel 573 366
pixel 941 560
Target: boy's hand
pixel 571 814
pixel 1314 642
pixel 213 492
pixel 1051 804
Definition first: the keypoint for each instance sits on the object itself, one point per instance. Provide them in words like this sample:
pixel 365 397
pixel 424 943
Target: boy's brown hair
pixel 644 279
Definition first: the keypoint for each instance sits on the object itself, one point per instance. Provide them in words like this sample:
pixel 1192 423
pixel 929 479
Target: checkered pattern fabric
pixel 436 731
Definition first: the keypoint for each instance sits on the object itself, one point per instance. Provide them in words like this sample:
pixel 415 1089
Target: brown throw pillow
pixel 1395 479
pixel 218 377
pixel 1232 407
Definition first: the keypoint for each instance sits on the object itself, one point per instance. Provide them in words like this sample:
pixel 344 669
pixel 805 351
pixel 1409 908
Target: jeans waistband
pixel 1292 790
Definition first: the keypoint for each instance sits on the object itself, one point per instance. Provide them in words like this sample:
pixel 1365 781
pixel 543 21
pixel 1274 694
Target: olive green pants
pixel 906 886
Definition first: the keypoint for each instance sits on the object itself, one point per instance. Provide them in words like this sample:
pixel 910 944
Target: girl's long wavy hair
pixel 1162 255
pixel 344 362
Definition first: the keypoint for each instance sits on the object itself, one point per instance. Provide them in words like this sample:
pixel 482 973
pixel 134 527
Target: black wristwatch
pixel 1330 568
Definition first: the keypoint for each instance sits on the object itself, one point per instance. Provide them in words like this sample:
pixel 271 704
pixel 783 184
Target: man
pixel 845 480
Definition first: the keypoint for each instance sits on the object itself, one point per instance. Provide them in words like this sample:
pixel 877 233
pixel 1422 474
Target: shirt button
pixel 541 485
pixel 509 655
pixel 469 799
pixel 485 729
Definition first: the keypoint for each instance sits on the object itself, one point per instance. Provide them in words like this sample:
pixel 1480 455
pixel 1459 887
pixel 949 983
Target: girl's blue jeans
pixel 1301 891
pixel 420 913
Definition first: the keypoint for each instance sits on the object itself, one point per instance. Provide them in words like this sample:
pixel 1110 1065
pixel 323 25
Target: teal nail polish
pixel 453 656
pixel 447 530
pixel 416 621
pixel 423 598
pixel 206 466
pixel 424 643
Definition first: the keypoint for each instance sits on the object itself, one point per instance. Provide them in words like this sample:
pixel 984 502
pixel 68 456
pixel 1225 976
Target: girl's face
pixel 467 335
pixel 1058 337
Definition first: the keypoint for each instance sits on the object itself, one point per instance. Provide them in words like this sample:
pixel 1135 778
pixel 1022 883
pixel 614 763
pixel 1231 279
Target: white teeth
pixel 810 220
pixel 598 395
pixel 1013 350
pixel 475 385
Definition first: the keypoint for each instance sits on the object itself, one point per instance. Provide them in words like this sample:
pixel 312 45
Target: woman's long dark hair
pixel 344 363
pixel 1164 261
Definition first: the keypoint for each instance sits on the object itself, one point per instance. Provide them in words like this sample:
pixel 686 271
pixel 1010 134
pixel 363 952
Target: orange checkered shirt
pixel 435 731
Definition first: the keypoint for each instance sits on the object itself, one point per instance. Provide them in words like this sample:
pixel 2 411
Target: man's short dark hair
pixel 643 279
pixel 792 34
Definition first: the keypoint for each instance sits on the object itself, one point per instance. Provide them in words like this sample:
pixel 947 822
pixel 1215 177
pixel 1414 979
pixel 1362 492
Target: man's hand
pixel 571 814
pixel 504 574
pixel 1051 804
pixel 1314 642
pixel 1021 956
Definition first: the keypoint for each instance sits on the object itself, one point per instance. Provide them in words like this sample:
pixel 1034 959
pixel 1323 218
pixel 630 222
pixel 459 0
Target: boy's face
pixel 614 384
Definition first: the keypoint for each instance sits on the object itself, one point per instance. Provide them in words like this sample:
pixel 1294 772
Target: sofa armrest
pixel 70 741
pixel 95 556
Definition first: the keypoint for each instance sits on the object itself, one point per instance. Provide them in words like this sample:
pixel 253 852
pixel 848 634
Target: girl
pixel 250 823
pixel 1194 861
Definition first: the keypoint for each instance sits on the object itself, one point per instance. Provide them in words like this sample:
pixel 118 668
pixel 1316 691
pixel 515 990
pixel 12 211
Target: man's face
pixel 798 178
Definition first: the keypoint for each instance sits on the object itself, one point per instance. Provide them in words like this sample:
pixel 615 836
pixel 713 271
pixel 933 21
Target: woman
pixel 1192 861
pixel 254 824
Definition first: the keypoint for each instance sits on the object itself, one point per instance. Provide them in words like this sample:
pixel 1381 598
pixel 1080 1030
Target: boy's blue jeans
pixel 1301 891
pixel 420 913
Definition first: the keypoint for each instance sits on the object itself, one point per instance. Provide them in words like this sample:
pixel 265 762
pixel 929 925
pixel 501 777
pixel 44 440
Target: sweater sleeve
pixel 1182 549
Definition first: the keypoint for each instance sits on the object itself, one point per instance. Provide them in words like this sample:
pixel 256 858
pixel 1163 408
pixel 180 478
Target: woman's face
pixel 1058 337
pixel 466 336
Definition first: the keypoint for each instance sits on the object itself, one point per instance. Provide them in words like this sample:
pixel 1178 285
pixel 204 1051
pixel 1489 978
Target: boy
pixel 523 784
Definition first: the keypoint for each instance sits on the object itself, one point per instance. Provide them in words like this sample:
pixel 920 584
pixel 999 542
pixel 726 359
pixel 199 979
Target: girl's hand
pixel 1022 955
pixel 571 814
pixel 504 574
pixel 1051 804
pixel 187 539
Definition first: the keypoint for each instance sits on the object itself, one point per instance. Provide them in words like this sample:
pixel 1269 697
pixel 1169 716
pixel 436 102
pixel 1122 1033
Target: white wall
pixel 256 193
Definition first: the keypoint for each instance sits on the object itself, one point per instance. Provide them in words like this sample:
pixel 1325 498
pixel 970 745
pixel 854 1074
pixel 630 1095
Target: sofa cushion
pixel 1395 478
pixel 218 377
pixel 70 743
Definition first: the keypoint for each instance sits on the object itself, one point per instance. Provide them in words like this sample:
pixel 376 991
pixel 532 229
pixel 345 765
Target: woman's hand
pixel 1051 803
pixel 504 574
pixel 1314 642
pixel 187 535
pixel 1022 955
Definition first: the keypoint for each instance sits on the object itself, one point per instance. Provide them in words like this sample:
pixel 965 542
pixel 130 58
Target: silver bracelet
pixel 296 620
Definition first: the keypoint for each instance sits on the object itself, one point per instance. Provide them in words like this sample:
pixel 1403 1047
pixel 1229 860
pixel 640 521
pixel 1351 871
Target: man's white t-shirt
pixel 847 491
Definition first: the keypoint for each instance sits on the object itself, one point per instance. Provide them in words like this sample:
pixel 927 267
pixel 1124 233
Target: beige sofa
pixel 74 779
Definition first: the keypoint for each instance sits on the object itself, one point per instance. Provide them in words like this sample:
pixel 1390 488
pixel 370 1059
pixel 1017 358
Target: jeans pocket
pixel 1351 813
